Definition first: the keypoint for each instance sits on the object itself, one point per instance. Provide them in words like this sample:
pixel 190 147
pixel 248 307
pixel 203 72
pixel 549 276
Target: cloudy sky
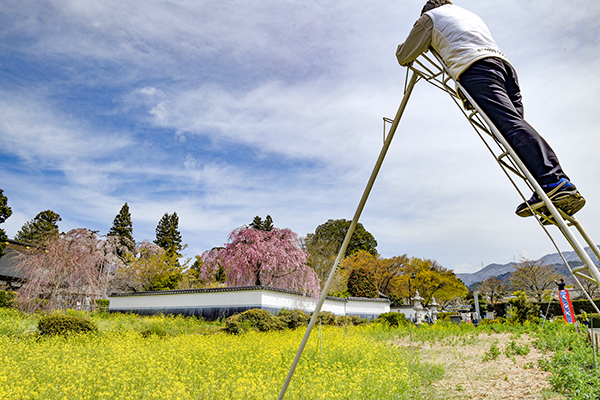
pixel 223 110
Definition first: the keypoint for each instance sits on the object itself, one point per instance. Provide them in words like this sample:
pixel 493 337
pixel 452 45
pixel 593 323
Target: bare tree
pixel 493 289
pixel 590 287
pixel 66 268
pixel 535 278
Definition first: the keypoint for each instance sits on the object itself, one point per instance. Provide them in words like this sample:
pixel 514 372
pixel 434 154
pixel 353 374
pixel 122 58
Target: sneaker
pixel 563 194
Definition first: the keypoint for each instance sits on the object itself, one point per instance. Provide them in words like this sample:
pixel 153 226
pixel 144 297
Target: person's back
pixel 461 38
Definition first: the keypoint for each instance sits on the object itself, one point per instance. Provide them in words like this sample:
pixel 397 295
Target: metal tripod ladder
pixel 432 69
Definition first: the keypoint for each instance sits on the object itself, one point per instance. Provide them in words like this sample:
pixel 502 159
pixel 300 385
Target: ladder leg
pixel 414 78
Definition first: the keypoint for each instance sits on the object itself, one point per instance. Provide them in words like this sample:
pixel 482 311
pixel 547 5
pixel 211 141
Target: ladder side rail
pixel 559 222
pixel 583 255
pixel 574 274
pixel 586 237
pixel 587 295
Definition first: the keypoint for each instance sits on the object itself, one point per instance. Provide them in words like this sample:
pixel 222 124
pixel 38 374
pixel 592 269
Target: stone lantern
pixel 433 307
pixel 419 310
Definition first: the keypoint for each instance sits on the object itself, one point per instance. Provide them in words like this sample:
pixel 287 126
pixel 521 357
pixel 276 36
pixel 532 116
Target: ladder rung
pixel 586 277
pixel 581 268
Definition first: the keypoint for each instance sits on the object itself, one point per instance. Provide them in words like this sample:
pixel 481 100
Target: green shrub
pixel 154 329
pixel 326 317
pixel 102 303
pixel 343 294
pixel 293 318
pixel 342 320
pixel 7 298
pixel 444 314
pixel 523 310
pixel 235 325
pixel 255 319
pixel 394 319
pixel 486 321
pixel 62 324
pixel 589 318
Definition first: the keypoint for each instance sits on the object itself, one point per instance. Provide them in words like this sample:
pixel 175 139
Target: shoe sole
pixel 569 208
pixel 568 202
pixel 571 204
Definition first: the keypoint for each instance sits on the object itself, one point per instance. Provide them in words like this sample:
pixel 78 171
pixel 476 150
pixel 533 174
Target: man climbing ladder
pixel 465 44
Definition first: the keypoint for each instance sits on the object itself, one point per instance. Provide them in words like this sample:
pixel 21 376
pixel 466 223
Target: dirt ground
pixel 467 376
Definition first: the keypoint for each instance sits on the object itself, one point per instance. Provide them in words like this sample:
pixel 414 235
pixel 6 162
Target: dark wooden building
pixel 10 277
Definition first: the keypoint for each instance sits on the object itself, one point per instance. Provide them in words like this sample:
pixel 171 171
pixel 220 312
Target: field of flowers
pixel 119 363
pixel 185 358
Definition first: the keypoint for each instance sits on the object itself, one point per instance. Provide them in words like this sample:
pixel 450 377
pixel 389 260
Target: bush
pixel 486 321
pixel 513 349
pixel 394 319
pixel 293 318
pixel 327 318
pixel 61 324
pixel 492 353
pixel 444 314
pixel 7 298
pixel 102 303
pixel 523 310
pixel 154 329
pixel 350 320
pixel 255 319
pixel 589 318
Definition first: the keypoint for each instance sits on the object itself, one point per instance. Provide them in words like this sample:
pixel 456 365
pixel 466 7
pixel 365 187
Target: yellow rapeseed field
pixel 122 364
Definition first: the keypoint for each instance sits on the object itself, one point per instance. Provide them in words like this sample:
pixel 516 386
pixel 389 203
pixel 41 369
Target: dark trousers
pixel 494 86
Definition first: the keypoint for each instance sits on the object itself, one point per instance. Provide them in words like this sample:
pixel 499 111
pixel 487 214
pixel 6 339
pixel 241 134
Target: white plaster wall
pixel 244 298
pixel 354 307
pixel 288 301
pixel 185 300
pixel 333 306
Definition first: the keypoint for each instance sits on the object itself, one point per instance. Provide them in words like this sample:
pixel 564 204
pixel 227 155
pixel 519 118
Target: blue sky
pixel 225 110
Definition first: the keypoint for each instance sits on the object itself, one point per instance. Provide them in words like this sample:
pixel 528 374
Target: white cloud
pixel 222 111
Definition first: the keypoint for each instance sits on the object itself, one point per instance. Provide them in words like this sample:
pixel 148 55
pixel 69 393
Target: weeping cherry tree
pixel 255 257
pixel 65 268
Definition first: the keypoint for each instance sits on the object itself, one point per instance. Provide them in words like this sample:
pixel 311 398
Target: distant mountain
pixel 486 272
pixel 569 256
pixel 503 271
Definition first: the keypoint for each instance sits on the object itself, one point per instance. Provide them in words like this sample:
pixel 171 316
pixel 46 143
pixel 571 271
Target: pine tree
pixel 268 225
pixel 259 225
pixel 167 234
pixel 41 227
pixel 5 212
pixel 123 228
